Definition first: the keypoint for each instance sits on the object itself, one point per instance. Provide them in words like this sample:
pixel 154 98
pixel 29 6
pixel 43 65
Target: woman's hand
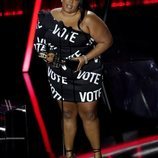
pixel 81 61
pixel 47 57
pixel 50 57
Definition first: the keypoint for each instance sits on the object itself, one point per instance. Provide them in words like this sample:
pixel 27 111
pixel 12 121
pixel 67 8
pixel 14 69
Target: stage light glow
pixel 146 2
pixel 38 115
pixel 115 149
pixel 121 4
pixel 2 129
pixel 12 13
pixel 128 3
pixel 28 52
pixel 138 150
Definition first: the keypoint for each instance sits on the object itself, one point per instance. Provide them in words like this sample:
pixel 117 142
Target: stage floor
pixel 33 126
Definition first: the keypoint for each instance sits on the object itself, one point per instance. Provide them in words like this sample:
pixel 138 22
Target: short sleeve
pixel 40 43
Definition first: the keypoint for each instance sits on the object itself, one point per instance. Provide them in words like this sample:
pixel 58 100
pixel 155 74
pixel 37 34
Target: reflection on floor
pixel 30 127
pixel 140 148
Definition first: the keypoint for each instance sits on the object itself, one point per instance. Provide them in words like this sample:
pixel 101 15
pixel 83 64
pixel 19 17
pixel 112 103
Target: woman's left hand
pixel 81 61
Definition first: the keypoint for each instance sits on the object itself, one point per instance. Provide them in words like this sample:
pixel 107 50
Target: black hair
pixel 83 7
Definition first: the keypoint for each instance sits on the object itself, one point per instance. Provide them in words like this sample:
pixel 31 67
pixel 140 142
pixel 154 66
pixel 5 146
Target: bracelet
pixel 85 59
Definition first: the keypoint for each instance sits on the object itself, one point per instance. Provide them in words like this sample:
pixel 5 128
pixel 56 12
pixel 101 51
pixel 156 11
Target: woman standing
pixel 66 36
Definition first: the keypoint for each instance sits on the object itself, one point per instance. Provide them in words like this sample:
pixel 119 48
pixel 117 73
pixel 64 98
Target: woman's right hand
pixel 50 57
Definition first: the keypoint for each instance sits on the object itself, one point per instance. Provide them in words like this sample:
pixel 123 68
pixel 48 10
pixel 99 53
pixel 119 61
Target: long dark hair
pixel 83 7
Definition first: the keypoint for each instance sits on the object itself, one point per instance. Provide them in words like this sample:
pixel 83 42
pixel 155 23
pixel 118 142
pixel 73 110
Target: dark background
pixel 135 33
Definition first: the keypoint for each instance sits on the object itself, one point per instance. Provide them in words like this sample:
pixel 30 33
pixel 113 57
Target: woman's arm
pixel 100 33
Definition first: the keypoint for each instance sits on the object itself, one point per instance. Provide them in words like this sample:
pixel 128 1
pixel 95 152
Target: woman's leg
pixel 70 127
pixel 88 114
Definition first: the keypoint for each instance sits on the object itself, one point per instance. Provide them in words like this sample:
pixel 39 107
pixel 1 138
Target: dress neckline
pixel 68 27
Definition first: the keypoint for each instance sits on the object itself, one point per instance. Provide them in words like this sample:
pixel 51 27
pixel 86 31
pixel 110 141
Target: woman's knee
pixel 89 115
pixel 68 114
pixel 69 109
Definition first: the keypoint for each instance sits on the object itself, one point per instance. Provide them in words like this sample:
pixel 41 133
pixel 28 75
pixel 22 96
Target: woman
pixel 65 36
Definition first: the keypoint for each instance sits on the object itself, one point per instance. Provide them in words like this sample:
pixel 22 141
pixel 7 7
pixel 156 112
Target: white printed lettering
pixel 56 77
pixel 56 29
pixel 40 45
pixel 74 55
pixel 55 94
pixel 63 33
pixel 72 37
pixel 90 96
pixel 91 76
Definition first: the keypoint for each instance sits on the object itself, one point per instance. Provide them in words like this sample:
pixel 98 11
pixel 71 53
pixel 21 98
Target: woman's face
pixel 70 6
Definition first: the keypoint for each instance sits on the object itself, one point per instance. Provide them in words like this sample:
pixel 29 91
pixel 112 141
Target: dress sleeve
pixel 40 43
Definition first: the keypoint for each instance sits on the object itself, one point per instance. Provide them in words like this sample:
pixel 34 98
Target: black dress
pixel 53 36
